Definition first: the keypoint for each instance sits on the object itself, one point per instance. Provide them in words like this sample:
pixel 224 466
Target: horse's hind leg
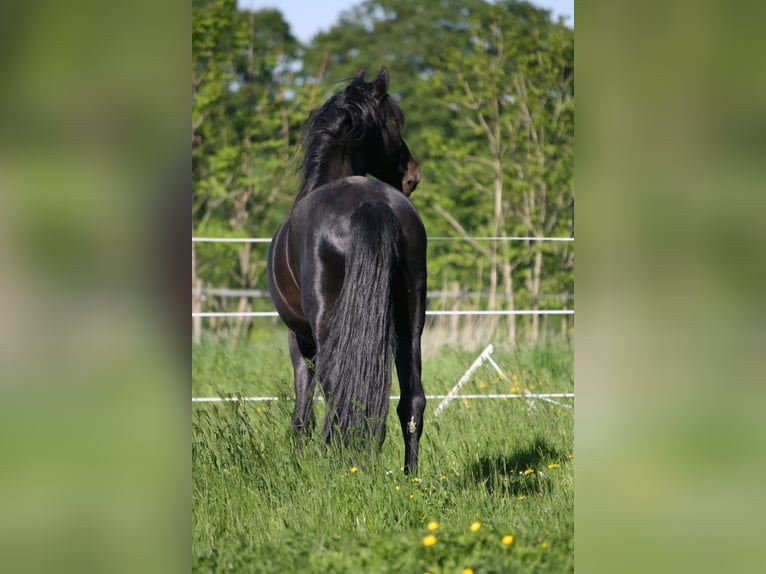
pixel 413 400
pixel 301 354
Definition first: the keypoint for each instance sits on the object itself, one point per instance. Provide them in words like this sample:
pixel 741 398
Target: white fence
pixel 483 358
pixel 428 313
pixel 268 239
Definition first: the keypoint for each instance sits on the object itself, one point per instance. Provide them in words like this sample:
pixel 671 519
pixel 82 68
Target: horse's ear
pixel 381 83
pixel 360 74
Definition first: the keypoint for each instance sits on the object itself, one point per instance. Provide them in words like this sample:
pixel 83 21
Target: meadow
pixel 494 493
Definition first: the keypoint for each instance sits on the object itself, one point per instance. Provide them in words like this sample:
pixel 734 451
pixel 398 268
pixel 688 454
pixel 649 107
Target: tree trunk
pixel 497 225
pixel 535 290
pixel 196 303
pixel 244 306
pixel 245 283
pixel 492 299
pixel 508 286
pixel 474 321
pixel 440 322
pixel 454 322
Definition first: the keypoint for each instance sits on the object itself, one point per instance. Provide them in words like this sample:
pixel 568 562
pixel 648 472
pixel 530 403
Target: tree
pixel 512 95
pixel 246 116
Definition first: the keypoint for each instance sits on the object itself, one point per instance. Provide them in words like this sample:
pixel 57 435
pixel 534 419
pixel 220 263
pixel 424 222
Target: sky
pixel 307 17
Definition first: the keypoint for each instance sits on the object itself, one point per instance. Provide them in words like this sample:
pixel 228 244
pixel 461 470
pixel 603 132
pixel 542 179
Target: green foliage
pixel 259 504
pixel 246 117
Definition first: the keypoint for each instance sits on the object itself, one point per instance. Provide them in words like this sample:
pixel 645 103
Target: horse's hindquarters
pixel 283 286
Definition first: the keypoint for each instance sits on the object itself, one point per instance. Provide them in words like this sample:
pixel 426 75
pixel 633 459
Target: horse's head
pixel 389 159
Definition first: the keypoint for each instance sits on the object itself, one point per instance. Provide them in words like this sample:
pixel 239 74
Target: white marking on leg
pixel 412 426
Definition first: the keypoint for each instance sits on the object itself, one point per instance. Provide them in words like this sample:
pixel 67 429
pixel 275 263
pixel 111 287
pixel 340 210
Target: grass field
pixel 495 491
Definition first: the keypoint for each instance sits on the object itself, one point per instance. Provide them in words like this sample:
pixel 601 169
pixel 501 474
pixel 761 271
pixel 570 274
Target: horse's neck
pixel 339 164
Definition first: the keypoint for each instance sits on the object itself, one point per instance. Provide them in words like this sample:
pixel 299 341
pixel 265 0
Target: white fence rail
pixel 429 313
pixel 268 239
pixel 391 398
pixel 483 358
pixel 233 293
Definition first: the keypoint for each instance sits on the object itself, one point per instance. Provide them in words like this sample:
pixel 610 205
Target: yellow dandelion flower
pixel 522 497
pixel 432 525
pixel 415 480
pixel 467 570
pixel 508 539
pixel 398 487
pixel 429 540
pixel 531 387
pixel 544 545
pixel 412 496
pixel 259 410
pixel 554 465
pixel 529 471
pixel 353 469
pixel 570 455
pixel 467 403
pixel 442 477
pixel 514 390
pixel 475 526
pixel 482 385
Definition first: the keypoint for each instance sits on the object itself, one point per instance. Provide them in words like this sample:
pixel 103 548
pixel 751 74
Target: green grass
pixel 261 505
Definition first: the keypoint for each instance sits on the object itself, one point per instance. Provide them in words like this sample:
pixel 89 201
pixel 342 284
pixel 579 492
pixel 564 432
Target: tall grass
pixel 262 505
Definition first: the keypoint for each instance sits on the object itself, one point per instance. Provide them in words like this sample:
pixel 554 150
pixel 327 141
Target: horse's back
pixel 327 210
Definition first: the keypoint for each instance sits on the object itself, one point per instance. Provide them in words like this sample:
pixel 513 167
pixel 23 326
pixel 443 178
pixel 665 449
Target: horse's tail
pixel 353 364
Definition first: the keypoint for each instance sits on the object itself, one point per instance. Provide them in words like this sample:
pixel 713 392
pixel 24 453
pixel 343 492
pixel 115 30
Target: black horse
pixel 347 271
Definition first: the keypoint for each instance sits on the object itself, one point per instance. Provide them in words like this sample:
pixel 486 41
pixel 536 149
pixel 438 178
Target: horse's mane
pixel 343 121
